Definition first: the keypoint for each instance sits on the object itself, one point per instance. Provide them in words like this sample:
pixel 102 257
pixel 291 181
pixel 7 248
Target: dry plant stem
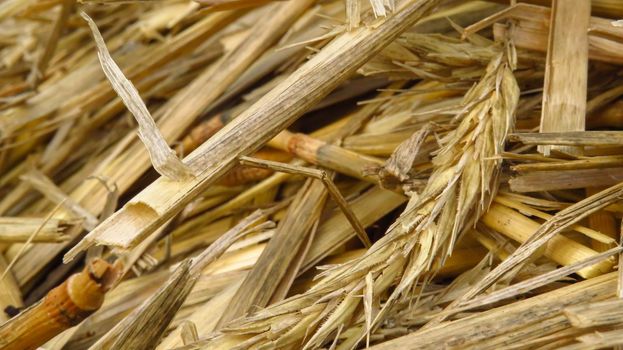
pixel 595 314
pixel 233 204
pixel 125 168
pixel 63 307
pixel 598 340
pixel 41 64
pixel 180 45
pixel 527 210
pixel 15 229
pixel 203 317
pixel 353 14
pixel 283 289
pixel 545 233
pixel 268 283
pixel 567 179
pixel 10 294
pixel 99 94
pixel 336 230
pixel 44 185
pixel 26 244
pixel 604 99
pixel 274 112
pixel 259 287
pixel 566 70
pixel 162 156
pixel 532 283
pixel 571 138
pixel 588 163
pixel 532 28
pixel 201 133
pixel 327 182
pixel 189 333
pixel 305 147
pixel 144 327
pixel 495 328
pixel 611 8
pixel 602 221
pixel 221 5
pixel 241 175
pixel 327 155
pixel 423 235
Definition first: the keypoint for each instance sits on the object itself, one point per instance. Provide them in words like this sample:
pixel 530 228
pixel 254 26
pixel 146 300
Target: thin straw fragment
pixel 30 239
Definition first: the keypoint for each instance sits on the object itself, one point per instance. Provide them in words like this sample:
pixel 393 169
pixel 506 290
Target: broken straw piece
pixel 378 7
pixel 162 156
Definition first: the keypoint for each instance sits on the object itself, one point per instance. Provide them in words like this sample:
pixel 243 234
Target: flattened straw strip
pixel 534 282
pixel 378 7
pixel 570 138
pixel 509 324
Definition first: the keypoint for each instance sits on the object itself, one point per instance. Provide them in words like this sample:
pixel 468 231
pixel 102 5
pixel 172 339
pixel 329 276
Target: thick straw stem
pixel 262 121
pixel 63 307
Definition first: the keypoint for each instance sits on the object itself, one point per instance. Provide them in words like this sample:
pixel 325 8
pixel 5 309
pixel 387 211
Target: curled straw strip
pixel 162 156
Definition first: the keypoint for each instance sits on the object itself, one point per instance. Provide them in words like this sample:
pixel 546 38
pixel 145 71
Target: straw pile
pixel 306 174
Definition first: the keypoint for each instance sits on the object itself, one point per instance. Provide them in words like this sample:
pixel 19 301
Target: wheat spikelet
pixel 459 190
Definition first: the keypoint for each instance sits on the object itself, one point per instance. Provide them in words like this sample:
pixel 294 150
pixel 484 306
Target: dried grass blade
pixel 263 280
pixel 41 64
pixel 144 327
